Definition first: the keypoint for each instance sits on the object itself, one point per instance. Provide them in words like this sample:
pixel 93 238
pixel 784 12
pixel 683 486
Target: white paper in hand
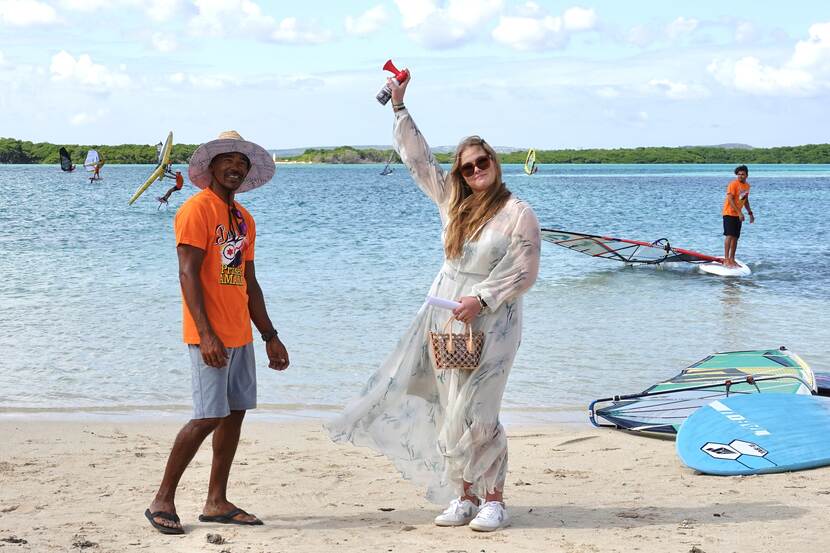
pixel 442 303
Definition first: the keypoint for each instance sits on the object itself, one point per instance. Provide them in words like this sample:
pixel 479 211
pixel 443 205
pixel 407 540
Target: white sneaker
pixel 492 516
pixel 459 513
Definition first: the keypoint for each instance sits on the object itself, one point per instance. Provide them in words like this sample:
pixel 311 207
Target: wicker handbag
pixel 456 351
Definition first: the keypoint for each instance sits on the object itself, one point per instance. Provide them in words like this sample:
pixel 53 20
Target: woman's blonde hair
pixel 467 214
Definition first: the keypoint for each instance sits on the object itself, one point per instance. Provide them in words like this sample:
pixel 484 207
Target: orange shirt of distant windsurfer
pixel 738 192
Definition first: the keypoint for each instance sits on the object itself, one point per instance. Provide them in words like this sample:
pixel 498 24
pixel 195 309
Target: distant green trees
pixel 19 151
pixel 810 153
pixel 346 154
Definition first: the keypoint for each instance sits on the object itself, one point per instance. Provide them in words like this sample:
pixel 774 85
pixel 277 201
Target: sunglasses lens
pixel 468 169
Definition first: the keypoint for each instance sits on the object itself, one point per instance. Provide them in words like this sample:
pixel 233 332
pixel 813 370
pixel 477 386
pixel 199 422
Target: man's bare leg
pixel 225 441
pixel 187 443
pixel 729 245
pixel 734 247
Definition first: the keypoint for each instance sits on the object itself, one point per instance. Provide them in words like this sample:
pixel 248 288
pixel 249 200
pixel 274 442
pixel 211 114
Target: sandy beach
pixel 69 486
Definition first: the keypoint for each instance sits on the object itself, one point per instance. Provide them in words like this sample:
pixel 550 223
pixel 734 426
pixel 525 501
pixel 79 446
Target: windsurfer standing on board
pixel 737 197
pixel 96 175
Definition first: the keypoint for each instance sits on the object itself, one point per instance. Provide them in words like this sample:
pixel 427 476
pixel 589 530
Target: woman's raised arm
pixel 414 150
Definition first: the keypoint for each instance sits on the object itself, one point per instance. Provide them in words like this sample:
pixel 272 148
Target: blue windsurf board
pixel 756 434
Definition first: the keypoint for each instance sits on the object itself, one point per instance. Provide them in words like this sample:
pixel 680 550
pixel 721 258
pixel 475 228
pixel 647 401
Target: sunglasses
pixel 240 221
pixel 468 169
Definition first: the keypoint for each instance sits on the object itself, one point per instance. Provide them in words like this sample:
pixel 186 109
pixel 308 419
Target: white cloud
pixel 530 33
pixel 749 75
pixel 162 10
pixel 22 13
pixel 677 90
pixel 65 67
pixel 85 118
pixel 204 82
pixel 579 19
pixel 368 22
pixel 163 43
pixel 681 26
pixel 217 18
pixel 529 9
pixel 646 34
pixel 414 12
pixel 806 72
pixel 291 31
pixel 157 10
pixel 815 51
pixel 85 5
pixel 445 27
pixel 527 33
pixel 208 82
pixel 2 59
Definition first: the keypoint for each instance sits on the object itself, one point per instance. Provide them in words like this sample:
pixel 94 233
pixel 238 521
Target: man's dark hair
pixel 740 168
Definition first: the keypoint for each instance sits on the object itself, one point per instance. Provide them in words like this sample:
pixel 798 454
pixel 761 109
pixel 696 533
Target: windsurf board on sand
pixel 756 434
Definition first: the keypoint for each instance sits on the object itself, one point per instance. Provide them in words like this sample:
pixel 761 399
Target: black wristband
pixel 268 336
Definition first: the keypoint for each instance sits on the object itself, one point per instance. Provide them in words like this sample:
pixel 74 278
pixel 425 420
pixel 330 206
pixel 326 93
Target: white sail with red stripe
pixel 624 250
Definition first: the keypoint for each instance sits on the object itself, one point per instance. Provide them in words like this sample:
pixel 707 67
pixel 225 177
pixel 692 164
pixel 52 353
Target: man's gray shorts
pixel 217 392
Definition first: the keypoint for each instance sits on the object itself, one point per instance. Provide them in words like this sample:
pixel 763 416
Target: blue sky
pixel 290 74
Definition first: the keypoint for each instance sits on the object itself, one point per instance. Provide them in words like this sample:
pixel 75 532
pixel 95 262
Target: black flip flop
pixel 167 516
pixel 228 518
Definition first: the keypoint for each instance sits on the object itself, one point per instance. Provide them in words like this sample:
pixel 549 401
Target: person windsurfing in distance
pixel 388 169
pixel 93 163
pixel 66 161
pixel 168 172
pixel 96 175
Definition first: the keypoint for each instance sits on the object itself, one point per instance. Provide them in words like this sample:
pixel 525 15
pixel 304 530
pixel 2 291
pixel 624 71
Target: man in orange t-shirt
pixel 215 239
pixel 737 197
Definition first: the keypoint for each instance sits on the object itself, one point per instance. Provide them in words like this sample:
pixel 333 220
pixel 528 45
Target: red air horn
pixel 400 77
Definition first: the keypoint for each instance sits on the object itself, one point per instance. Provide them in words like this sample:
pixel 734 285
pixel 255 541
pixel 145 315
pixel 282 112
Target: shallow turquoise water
pixel 92 313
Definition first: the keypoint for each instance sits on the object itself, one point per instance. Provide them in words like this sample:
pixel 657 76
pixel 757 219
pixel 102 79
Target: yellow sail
pixel 158 173
pixel 530 162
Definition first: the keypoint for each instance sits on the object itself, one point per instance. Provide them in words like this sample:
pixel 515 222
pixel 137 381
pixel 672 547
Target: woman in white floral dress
pixel 441 428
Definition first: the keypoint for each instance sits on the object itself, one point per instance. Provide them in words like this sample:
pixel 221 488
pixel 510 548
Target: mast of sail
pixel 388 169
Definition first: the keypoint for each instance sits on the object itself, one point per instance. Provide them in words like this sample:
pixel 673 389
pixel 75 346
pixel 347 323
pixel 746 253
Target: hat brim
pixel 262 166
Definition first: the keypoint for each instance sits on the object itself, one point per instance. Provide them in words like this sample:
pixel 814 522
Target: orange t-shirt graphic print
pixel 206 222
pixel 740 192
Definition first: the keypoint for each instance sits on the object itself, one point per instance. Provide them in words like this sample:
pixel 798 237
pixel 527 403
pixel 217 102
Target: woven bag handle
pixel 448 332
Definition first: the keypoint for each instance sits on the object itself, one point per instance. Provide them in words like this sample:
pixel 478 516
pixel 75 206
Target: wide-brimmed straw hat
pixel 262 166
